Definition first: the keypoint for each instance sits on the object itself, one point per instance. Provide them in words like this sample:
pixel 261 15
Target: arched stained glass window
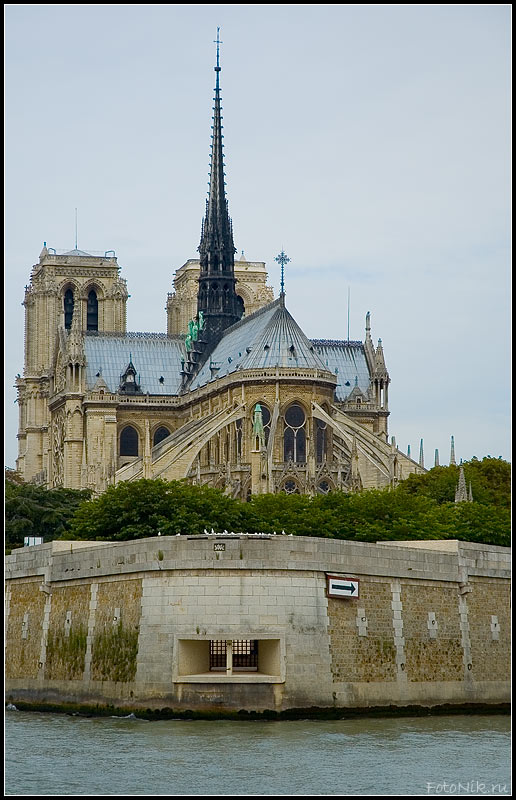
pixel 294 435
pixel 160 434
pixel 321 434
pixel 129 441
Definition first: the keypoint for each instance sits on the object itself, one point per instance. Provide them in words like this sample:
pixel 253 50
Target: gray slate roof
pixel 270 337
pixel 154 355
pixel 347 360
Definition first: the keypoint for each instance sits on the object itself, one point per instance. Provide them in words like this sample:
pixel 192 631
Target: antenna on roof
pixel 349 290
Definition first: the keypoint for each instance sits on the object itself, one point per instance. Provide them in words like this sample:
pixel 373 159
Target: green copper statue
pixel 258 430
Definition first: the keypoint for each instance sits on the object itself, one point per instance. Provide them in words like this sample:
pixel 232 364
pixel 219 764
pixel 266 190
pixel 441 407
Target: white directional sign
pixel 342 587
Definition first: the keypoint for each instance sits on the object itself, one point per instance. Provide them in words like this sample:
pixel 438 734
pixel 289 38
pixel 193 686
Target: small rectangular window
pixel 199 659
pixel 244 655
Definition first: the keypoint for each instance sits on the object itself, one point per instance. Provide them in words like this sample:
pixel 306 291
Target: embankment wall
pixel 130 624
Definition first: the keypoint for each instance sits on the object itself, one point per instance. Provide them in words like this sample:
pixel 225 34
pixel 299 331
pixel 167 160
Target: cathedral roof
pixel 268 338
pixel 348 361
pixel 156 358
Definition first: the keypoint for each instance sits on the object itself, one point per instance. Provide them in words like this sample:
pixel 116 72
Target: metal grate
pixel 217 654
pixel 245 654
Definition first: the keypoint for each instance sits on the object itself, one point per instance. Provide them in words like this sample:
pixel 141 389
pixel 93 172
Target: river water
pixel 56 754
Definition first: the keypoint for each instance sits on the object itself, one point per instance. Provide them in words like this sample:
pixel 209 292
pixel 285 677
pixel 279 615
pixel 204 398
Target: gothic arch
pixel 245 298
pixel 159 432
pixel 295 423
pixel 97 286
pixel 67 298
pixel 129 438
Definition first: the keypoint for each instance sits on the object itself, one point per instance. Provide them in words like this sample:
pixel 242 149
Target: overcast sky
pixel 371 142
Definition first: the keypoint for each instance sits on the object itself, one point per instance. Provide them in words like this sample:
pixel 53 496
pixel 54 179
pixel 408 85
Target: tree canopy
pixel 421 507
pixel 143 508
pixel 34 511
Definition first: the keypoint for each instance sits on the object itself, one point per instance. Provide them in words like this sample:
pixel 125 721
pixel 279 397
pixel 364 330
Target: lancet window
pixel 129 441
pixel 68 304
pixel 92 312
pixel 294 435
pixel 160 434
pixel 321 437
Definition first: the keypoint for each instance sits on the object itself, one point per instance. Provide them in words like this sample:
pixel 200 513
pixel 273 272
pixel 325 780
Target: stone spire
pixel 436 460
pixel 380 368
pixel 421 456
pixel 75 341
pixel 452 453
pixel 217 298
pixel 356 481
pixel 461 492
pixel 368 344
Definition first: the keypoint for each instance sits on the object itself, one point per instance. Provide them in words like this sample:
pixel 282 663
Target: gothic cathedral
pixel 234 395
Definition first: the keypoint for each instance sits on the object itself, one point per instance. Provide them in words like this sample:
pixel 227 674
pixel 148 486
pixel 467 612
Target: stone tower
pixel 69 292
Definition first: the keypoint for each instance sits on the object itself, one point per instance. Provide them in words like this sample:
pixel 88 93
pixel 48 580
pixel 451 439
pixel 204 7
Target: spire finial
pixel 218 43
pixel 282 259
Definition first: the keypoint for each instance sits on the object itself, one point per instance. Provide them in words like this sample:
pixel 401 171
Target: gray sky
pixel 371 142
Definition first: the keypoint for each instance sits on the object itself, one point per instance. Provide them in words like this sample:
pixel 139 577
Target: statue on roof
pixel 258 430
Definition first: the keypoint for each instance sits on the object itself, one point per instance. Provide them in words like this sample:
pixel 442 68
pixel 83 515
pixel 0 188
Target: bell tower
pixel 69 292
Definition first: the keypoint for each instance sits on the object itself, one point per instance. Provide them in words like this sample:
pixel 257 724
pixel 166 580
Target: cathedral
pixel 234 395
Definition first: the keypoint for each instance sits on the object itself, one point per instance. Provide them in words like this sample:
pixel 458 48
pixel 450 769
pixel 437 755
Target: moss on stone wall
pixel 66 653
pixel 26 608
pixel 114 654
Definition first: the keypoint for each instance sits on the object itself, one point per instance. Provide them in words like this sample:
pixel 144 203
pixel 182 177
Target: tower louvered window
pixel 68 304
pixel 92 316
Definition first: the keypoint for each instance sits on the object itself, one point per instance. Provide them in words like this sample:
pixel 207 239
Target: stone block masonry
pixel 135 625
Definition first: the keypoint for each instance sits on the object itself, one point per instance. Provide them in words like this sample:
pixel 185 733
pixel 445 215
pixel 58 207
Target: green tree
pixel 35 511
pixel 490 482
pixel 140 509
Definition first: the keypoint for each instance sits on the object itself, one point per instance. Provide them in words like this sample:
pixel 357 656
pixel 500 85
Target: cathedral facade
pixel 234 395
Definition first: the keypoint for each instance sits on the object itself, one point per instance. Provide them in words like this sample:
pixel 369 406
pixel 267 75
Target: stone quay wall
pixel 130 624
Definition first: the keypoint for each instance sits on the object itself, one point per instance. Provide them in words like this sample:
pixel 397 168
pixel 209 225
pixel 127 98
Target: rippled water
pixel 53 754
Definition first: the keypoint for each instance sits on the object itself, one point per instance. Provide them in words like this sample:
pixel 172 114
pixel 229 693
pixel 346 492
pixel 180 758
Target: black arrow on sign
pixel 348 587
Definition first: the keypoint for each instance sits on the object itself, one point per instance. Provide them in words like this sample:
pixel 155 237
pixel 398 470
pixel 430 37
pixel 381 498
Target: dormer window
pixel 128 382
